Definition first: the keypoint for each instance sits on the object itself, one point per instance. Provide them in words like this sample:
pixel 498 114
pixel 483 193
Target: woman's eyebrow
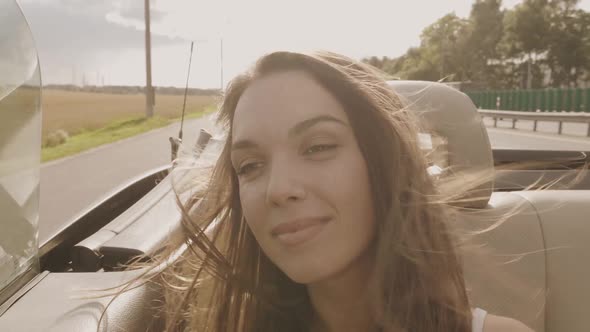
pixel 297 129
pixel 243 144
pixel 306 124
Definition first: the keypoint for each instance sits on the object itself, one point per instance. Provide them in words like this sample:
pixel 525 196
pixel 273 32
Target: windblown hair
pixel 224 282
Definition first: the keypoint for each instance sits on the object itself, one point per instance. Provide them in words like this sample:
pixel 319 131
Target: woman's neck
pixel 341 303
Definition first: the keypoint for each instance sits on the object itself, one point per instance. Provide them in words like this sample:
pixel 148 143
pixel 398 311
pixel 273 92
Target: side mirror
pixel 202 140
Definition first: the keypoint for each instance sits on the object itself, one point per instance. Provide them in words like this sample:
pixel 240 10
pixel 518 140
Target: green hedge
pixel 570 100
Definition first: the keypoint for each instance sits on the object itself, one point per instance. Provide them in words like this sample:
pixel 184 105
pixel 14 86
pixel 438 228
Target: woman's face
pixel 303 182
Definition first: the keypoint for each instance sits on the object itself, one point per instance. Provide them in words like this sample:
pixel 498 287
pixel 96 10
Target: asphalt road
pixel 70 185
pixel 545 138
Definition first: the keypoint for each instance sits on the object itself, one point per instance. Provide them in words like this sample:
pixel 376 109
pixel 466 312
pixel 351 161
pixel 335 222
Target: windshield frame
pixel 20 152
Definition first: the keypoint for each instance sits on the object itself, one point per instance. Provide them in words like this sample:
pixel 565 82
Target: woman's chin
pixel 306 279
pixel 307 274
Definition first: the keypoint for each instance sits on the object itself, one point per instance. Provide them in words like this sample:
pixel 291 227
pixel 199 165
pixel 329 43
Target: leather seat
pixel 564 220
pixel 526 252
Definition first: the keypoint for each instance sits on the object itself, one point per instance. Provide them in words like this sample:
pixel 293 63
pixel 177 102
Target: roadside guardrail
pixel 559 117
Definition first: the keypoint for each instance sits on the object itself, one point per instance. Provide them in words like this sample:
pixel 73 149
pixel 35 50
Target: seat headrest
pixel 450 114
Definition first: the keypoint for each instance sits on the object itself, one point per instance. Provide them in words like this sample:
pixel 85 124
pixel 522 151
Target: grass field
pixel 93 119
pixel 75 112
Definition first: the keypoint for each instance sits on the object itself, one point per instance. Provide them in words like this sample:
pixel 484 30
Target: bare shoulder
pixel 494 323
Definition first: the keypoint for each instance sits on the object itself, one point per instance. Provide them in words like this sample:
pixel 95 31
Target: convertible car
pixel 538 254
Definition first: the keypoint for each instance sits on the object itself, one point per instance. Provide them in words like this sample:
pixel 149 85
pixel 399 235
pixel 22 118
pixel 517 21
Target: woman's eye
pixel 247 168
pixel 320 148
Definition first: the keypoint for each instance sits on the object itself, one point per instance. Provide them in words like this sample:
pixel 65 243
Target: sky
pixel 102 42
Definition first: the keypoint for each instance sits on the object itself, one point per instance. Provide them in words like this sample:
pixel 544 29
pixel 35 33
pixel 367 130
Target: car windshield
pixel 20 144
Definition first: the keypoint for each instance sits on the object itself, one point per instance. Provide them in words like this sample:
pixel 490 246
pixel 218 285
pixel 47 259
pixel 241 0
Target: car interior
pixel 530 265
pixel 534 268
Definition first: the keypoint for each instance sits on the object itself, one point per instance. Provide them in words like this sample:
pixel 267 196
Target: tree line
pixel 536 44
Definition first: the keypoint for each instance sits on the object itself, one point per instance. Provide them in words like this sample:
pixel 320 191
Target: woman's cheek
pixel 252 202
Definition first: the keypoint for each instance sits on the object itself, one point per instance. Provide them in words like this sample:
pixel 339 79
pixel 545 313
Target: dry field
pixel 75 112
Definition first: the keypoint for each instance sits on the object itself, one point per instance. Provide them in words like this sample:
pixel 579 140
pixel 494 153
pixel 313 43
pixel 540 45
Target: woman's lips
pixel 298 231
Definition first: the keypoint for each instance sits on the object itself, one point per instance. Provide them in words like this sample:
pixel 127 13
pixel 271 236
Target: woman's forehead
pixel 281 100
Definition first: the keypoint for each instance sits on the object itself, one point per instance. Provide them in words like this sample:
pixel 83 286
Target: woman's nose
pixel 284 183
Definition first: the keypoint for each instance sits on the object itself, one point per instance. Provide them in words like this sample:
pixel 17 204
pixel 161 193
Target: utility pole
pixel 442 58
pixel 149 92
pixel 221 64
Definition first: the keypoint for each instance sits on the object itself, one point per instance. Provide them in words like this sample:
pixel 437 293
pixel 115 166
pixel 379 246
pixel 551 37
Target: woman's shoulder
pixel 493 323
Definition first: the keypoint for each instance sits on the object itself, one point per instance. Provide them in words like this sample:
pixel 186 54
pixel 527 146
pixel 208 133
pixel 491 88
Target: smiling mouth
pixel 299 231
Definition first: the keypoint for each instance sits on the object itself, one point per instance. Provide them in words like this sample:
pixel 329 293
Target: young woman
pixel 320 214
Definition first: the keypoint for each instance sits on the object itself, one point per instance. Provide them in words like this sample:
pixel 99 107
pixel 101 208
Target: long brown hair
pixel 224 282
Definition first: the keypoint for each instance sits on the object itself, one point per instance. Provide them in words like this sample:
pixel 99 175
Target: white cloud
pixel 249 29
